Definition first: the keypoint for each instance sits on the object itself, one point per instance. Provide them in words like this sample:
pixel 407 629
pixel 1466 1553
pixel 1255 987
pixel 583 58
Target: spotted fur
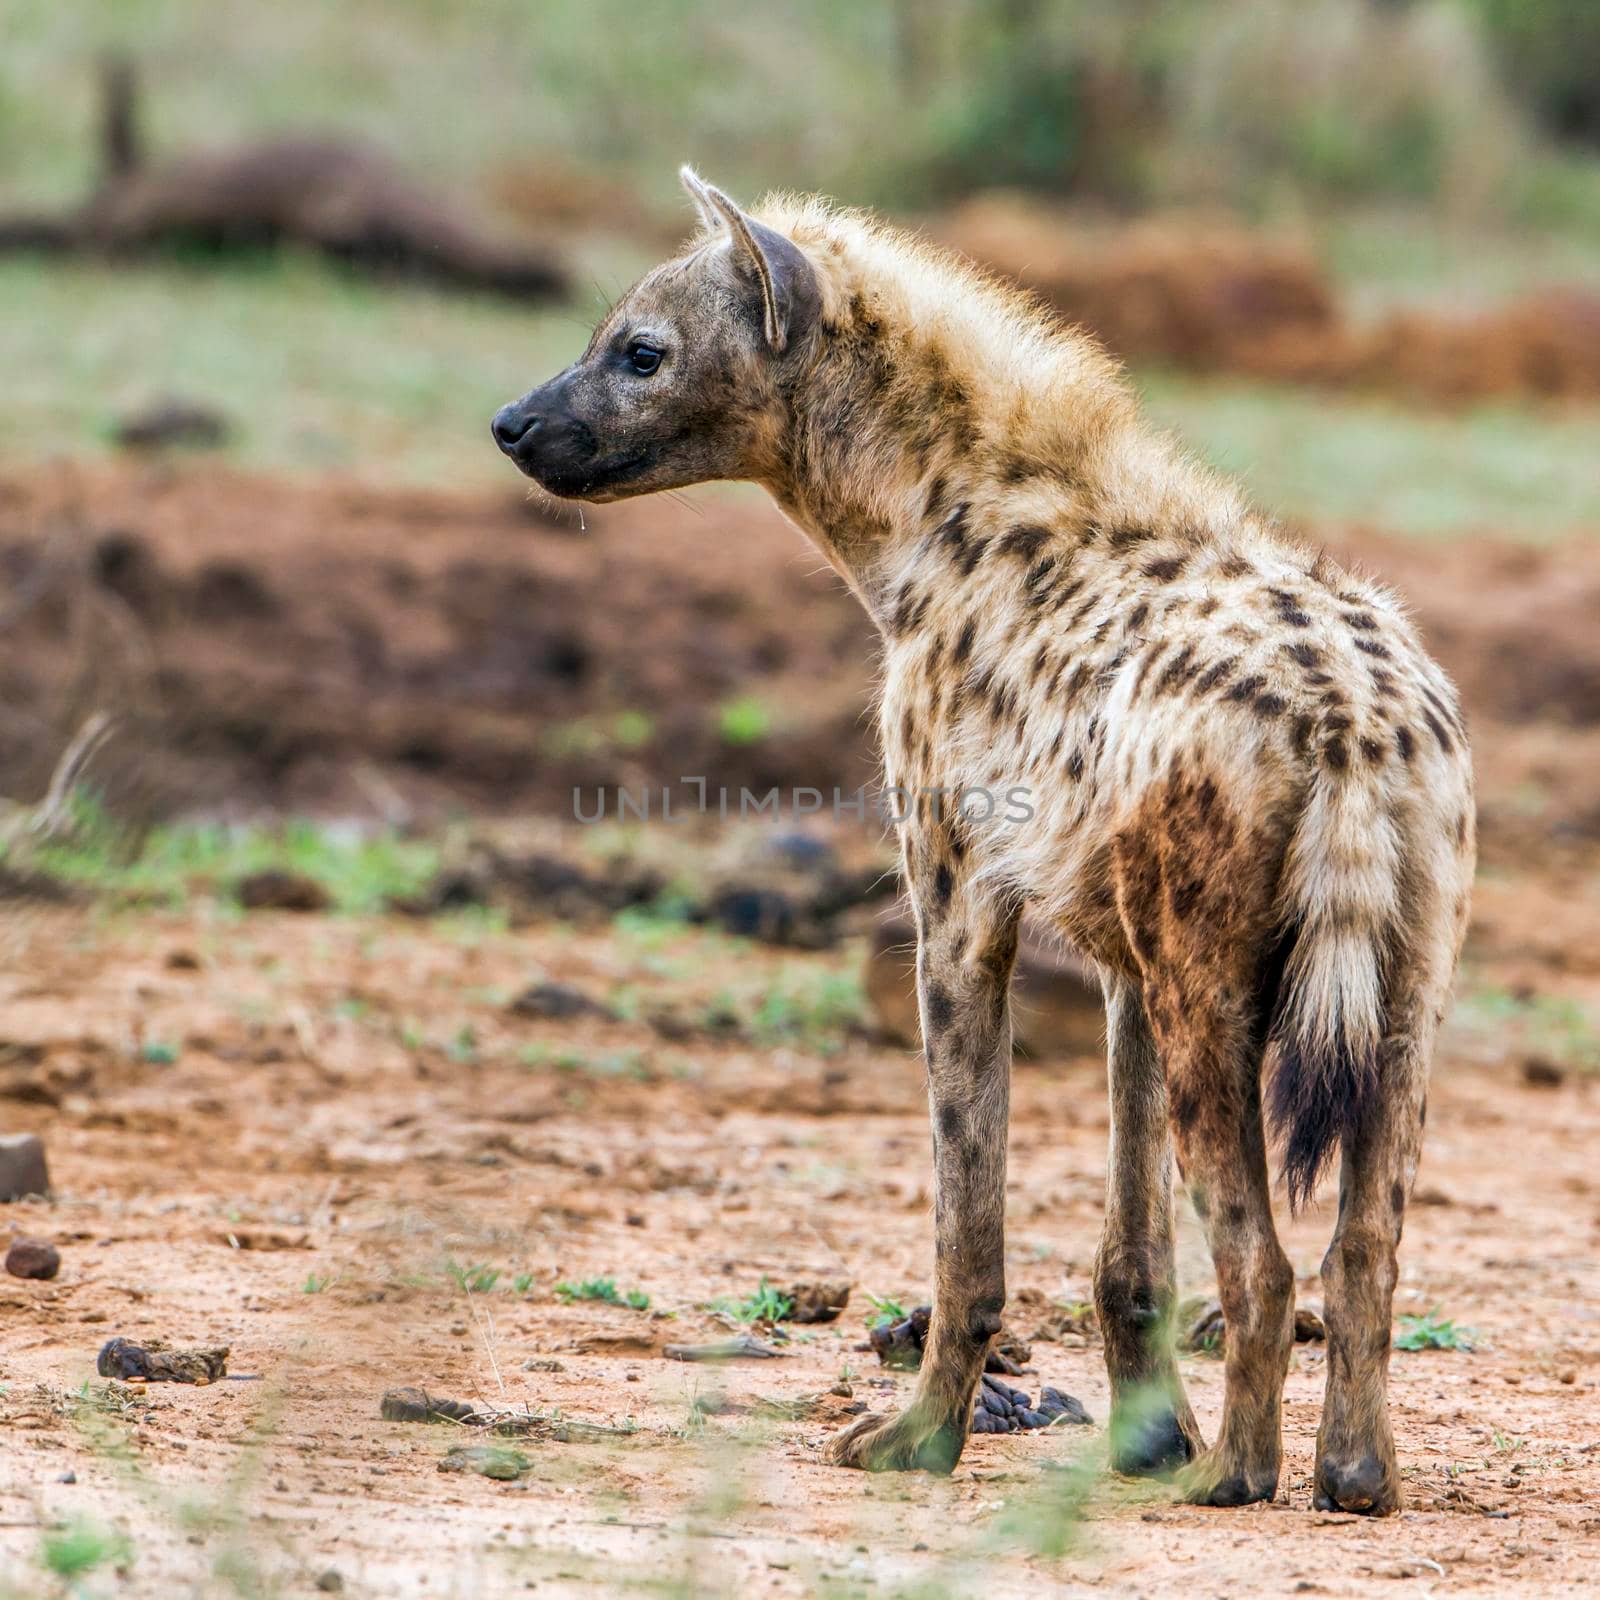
pixel 1250 796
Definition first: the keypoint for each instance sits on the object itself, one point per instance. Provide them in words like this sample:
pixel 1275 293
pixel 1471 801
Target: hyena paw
pixel 904 1441
pixel 1151 1444
pixel 1218 1478
pixel 1368 1484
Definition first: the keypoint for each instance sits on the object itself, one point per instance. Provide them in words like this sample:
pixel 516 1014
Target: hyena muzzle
pixel 1251 797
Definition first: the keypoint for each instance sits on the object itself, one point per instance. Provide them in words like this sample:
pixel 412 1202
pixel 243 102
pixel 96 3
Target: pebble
pixel 22 1166
pixel 32 1258
pixel 275 890
pixel 331 1581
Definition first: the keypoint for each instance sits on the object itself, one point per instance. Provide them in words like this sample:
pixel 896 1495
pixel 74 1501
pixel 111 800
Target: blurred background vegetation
pixel 1484 108
pixel 1439 153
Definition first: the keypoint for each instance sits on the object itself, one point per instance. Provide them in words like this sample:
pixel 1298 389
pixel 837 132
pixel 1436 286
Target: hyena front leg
pixel 1135 1287
pixel 966 947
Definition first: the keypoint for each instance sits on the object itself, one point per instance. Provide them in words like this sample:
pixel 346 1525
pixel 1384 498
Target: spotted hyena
pixel 1250 786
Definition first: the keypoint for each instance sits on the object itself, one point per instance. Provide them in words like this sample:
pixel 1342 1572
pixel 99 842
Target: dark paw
pixel 1149 1445
pixel 1211 1479
pixel 1366 1485
pixel 906 1442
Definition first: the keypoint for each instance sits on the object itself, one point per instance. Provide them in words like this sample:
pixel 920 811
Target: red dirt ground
pixel 352 1108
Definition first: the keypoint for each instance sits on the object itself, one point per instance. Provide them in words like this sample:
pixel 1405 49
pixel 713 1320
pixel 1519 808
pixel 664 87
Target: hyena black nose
pixel 513 423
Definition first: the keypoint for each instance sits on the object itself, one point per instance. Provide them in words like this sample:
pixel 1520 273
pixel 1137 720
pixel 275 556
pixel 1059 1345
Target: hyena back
pixel 1251 792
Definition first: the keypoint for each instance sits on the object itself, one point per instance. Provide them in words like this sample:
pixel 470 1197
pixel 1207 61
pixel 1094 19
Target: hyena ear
pixel 791 297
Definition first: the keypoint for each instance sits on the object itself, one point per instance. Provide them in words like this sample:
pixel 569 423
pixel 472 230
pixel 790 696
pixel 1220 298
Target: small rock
pixel 1539 1072
pixel 1059 1407
pixel 172 422
pixel 488 1460
pixel 1309 1328
pixel 22 1166
pixel 411 1404
pixel 817 1302
pixel 557 1002
pixel 32 1258
pixel 331 1582
pixel 900 1344
pixel 182 961
pixel 745 1347
pixel 1205 1330
pixel 155 1361
pixel 68 1477
pixel 274 890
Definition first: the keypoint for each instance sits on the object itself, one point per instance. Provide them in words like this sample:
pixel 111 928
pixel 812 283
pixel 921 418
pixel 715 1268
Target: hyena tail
pixel 1338 907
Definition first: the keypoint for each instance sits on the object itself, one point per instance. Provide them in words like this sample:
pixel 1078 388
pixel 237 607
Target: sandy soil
pixel 281 1132
pixel 298 1182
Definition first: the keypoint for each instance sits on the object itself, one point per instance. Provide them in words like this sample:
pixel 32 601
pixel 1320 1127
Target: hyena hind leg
pixel 1135 1279
pixel 1356 1465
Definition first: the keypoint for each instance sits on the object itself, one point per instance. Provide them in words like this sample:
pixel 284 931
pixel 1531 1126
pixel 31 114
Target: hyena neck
pixel 937 408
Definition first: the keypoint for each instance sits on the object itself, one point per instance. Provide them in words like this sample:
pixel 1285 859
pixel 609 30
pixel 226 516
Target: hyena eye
pixel 643 358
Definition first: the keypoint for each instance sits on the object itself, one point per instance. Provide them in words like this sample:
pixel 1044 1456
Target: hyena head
pixel 683 381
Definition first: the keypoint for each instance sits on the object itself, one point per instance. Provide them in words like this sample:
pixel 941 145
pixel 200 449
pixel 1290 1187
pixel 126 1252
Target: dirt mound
pixel 1546 345
pixel 1170 290
pixel 333 648
pixel 338 196
pixel 336 649
pixel 1213 297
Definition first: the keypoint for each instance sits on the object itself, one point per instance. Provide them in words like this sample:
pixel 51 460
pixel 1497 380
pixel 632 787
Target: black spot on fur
pixel 1373 648
pixel 953 530
pixel 952 1121
pixel 944 883
pixel 1179 670
pixel 1271 705
pixel 1075 765
pixel 1164 570
pixel 963 649
pixel 1212 676
pixel 1288 607
pixel 1405 742
pixel 1307 655
pixel 1436 727
pixel 940 1008
pixel 1124 538
pixel 1362 620
pixel 1137 616
pixel 1024 542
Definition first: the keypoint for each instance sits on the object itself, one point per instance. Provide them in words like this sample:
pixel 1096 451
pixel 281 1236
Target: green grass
pixel 1430 1331
pixel 476 1279
pixel 323 372
pixel 765 1303
pixel 885 1311
pixel 1324 458
pixel 171 864
pixel 317 370
pixel 75 1550
pixel 1556 1026
pixel 745 721
pixel 604 1290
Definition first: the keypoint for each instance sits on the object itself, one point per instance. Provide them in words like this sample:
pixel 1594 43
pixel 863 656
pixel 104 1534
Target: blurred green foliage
pixel 890 101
